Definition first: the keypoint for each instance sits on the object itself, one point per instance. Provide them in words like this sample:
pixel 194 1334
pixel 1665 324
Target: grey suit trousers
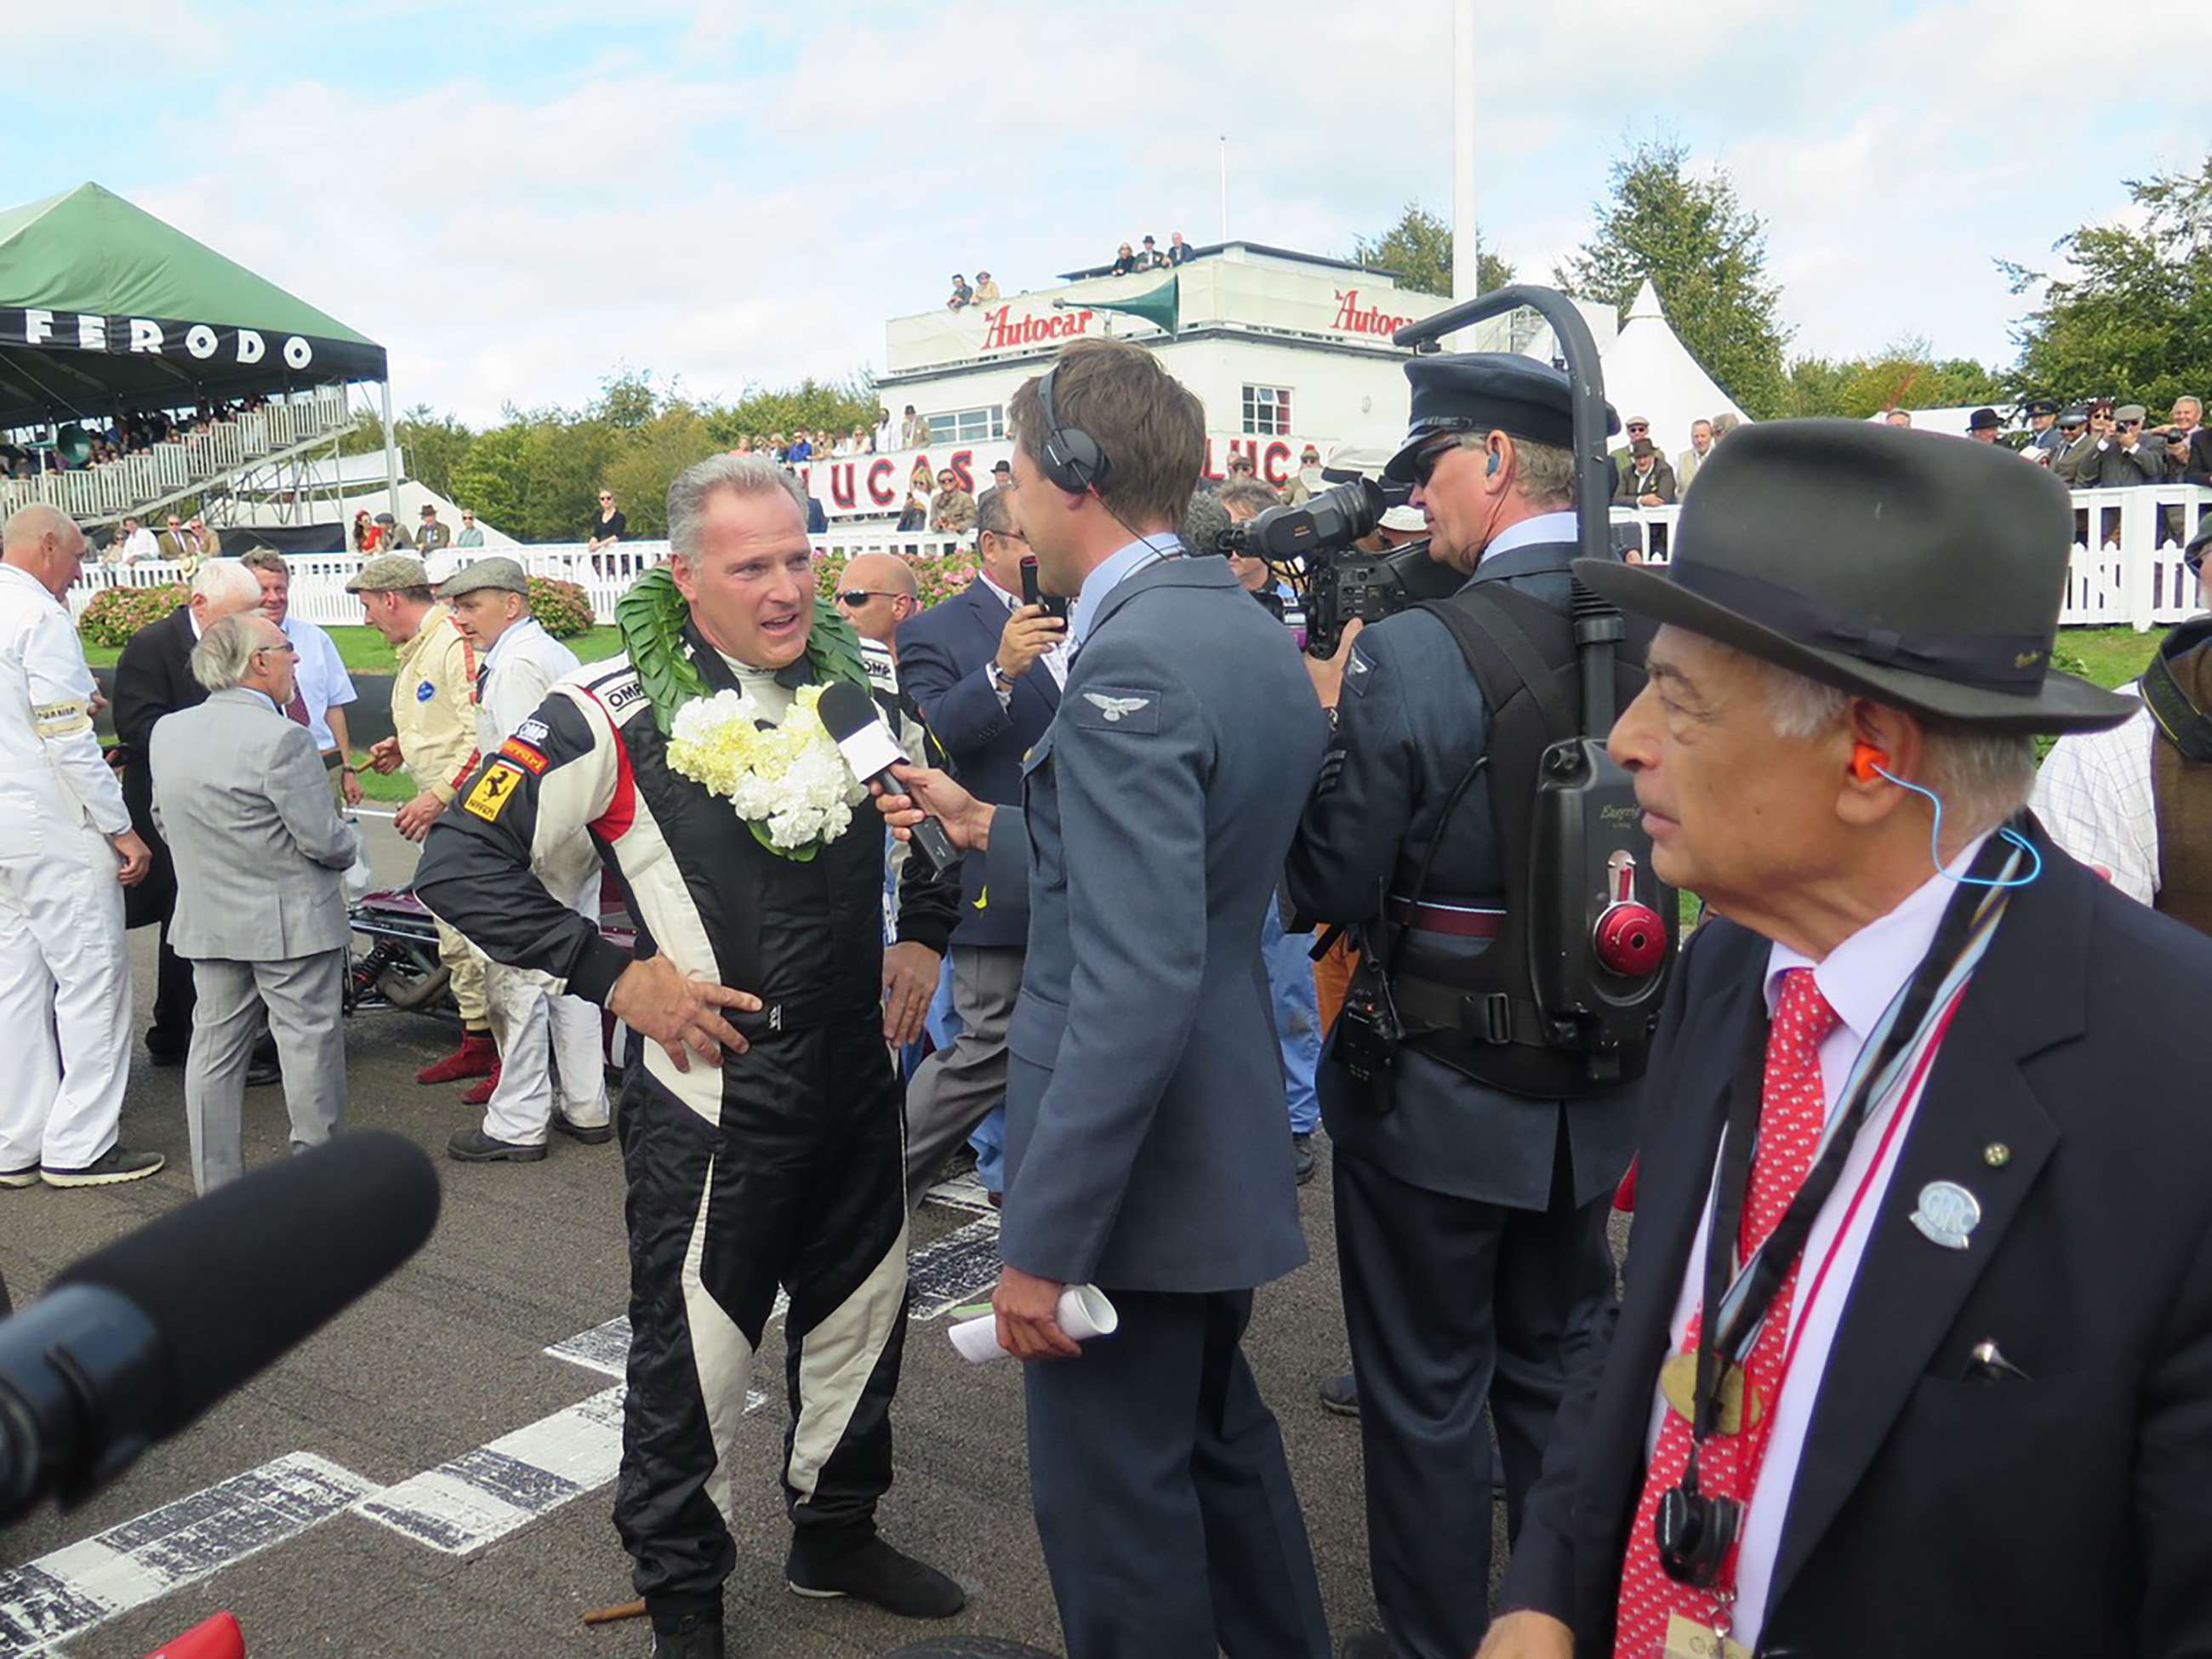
pixel 956 1088
pixel 303 996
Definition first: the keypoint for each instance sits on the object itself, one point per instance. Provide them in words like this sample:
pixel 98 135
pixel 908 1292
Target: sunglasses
pixel 1637 426
pixel 857 596
pixel 1425 464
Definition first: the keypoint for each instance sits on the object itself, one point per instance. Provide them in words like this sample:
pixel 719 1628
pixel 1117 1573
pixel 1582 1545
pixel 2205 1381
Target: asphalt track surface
pixel 265 1508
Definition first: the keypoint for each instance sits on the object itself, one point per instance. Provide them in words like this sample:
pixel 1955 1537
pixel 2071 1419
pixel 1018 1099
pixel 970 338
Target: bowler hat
pixel 1984 420
pixel 1924 576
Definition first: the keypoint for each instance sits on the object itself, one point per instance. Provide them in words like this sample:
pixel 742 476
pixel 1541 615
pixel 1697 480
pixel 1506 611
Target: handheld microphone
pixel 133 1343
pixel 852 719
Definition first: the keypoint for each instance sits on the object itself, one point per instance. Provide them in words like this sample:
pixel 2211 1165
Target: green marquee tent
pixel 105 308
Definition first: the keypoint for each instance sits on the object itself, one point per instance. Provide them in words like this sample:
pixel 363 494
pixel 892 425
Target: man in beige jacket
pixel 433 721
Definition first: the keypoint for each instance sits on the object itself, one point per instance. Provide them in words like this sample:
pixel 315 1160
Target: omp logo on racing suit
pixel 498 785
pixel 621 696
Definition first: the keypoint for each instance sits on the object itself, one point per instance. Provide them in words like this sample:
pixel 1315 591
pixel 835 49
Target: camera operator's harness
pixel 1564 999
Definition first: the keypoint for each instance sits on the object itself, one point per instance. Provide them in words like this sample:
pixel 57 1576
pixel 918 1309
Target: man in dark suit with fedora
pixel 985 672
pixel 1146 1152
pixel 1931 1083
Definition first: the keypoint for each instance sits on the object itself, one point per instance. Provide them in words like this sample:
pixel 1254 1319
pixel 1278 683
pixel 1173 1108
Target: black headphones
pixel 1071 459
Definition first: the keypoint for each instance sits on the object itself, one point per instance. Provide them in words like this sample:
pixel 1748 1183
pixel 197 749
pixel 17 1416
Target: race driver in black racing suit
pixel 760 1128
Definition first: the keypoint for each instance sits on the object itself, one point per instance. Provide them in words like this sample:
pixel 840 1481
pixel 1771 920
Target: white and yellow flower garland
pixel 788 781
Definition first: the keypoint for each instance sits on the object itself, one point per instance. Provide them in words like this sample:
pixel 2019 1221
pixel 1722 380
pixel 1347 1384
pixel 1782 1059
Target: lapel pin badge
pixel 1948 1214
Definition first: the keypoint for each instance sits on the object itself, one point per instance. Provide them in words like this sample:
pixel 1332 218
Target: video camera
pixel 1309 546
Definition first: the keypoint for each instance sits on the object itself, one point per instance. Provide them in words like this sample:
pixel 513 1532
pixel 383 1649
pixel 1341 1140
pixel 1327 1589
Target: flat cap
pixel 1477 391
pixel 388 571
pixel 497 571
pixel 2127 412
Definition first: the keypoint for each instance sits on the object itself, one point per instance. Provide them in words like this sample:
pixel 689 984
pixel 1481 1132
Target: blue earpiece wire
pixel 1935 841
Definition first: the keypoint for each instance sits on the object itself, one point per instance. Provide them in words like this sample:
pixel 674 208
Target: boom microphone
pixel 852 718
pixel 133 1343
pixel 1206 523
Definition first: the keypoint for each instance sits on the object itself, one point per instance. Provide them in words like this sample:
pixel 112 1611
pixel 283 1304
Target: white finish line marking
pixel 481 1496
pixel 61 1596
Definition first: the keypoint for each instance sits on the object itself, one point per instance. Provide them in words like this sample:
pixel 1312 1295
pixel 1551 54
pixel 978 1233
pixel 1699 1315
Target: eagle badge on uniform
pixel 497 787
pixel 1114 708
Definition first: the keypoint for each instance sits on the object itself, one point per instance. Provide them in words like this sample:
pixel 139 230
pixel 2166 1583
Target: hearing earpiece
pixel 1490 464
pixel 1867 761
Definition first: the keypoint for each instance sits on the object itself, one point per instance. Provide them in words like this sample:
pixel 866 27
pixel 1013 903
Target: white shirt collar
pixel 1544 527
pixel 1862 976
pixel 984 576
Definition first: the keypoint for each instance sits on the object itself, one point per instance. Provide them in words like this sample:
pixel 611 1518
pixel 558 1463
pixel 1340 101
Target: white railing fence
pixel 319 579
pixel 135 482
pixel 2126 570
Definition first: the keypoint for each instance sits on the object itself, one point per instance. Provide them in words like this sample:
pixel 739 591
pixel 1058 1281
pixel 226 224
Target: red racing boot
pixel 479 1094
pixel 478 1056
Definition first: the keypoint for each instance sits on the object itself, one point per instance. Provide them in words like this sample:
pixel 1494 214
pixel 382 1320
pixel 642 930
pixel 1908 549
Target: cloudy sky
pixel 520 199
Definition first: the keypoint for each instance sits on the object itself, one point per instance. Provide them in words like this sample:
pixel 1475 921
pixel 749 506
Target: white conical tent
pixel 1649 372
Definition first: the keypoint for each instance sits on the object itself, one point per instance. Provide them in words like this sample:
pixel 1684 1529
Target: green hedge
pixel 116 614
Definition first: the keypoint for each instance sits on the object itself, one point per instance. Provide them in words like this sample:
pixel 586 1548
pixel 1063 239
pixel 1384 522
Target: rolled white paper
pixel 1083 1312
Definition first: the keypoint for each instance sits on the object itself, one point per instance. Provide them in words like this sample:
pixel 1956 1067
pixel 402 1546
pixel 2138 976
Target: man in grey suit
pixel 242 797
pixel 1145 1151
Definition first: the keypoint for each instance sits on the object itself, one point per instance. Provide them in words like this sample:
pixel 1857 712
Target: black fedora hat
pixel 1922 571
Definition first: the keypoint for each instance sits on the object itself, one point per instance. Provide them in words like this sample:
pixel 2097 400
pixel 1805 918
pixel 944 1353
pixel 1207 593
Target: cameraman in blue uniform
pixel 1472 1172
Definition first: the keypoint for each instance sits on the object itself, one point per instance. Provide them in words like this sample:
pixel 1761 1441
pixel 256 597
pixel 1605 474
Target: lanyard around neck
pixel 1736 1306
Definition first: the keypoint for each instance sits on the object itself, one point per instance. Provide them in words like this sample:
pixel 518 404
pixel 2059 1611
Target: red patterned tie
pixel 297 708
pixel 1791 1108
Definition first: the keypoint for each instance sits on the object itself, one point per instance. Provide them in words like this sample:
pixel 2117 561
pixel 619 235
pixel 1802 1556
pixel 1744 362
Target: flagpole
pixel 1225 186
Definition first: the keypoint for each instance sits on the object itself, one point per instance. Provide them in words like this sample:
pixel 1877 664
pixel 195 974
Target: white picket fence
pixel 319 579
pixel 2126 571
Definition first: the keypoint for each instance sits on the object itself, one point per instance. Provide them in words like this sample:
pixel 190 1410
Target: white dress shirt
pixel 1859 978
pixel 1530 532
pixel 324 684
pixel 1055 660
pixel 2093 792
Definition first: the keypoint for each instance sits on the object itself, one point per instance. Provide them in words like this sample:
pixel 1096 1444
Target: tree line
pixel 2130 318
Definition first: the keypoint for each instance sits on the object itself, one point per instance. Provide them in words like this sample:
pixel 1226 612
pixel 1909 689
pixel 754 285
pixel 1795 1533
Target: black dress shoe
pixel 1370 1643
pixel 694 1636
pixel 475 1147
pixel 877 1573
pixel 1303 1161
pixel 1341 1395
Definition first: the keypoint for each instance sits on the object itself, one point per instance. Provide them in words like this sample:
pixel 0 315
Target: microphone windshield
pixel 852 718
pixel 1205 522
pixel 234 1279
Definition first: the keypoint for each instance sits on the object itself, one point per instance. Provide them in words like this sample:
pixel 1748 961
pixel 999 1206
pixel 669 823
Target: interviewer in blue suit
pixel 1145 1150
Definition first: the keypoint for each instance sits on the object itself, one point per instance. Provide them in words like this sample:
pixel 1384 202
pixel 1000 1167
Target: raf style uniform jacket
pixel 434 706
pixel 944 661
pixel 2060 1511
pixel 1144 1141
pixel 1410 722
